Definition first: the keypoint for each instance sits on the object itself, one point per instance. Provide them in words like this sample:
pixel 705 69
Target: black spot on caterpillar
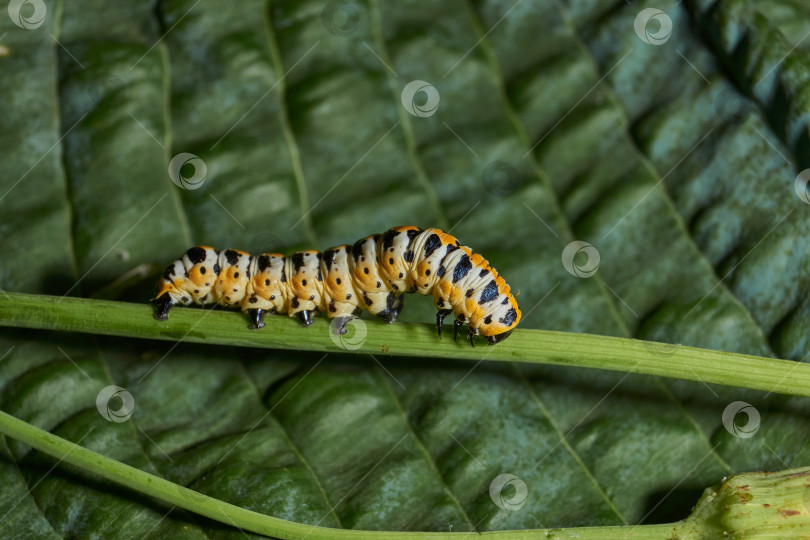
pixel 196 255
pixel 231 256
pixel 462 268
pixel 370 274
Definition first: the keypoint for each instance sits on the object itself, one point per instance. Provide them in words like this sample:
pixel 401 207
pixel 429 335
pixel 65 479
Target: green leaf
pixel 555 123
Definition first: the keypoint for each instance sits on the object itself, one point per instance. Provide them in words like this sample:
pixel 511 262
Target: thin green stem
pixel 164 490
pixel 401 339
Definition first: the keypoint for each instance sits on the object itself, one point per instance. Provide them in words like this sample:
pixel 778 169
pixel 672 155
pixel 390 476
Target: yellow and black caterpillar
pixel 372 274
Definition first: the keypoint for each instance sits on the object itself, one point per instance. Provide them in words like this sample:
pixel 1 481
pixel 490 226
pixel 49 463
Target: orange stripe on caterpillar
pixel 371 274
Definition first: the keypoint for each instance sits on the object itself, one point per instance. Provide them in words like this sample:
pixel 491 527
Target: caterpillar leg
pixel 256 318
pixel 393 306
pixel 162 307
pixel 492 340
pixel 456 326
pixel 440 315
pixel 307 317
pixel 471 336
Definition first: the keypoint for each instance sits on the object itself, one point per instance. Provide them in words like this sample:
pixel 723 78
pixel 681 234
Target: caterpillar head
pixel 171 291
pixel 502 315
pixel 497 326
pixel 187 280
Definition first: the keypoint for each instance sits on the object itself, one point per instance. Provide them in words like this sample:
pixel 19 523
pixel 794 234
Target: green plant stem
pixel 402 339
pixel 164 490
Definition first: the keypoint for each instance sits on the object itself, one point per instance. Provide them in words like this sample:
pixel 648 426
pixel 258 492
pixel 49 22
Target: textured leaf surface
pixel 556 123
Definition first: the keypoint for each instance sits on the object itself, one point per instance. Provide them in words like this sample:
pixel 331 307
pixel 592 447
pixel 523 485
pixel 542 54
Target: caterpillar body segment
pixel 371 274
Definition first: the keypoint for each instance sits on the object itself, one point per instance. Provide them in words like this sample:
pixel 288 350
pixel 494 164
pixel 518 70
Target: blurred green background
pixel 669 136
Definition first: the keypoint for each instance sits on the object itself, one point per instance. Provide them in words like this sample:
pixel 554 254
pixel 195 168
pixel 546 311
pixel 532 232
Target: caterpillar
pixel 372 274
